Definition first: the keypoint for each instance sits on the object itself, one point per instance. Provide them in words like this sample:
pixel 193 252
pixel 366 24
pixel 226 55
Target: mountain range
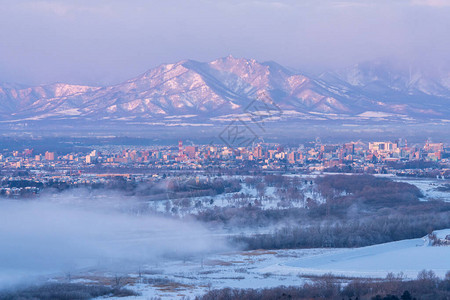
pixel 192 92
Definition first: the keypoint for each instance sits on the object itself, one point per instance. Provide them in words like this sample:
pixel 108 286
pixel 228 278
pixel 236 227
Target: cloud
pixel 431 3
pixel 106 42
pixel 266 4
pixel 66 9
pixel 68 233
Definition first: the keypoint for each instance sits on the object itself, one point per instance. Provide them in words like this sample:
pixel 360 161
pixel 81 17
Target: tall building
pixel 257 152
pixel 180 148
pixel 190 151
pixel 349 148
pixel 434 147
pixel 293 157
pixel 49 155
pixel 382 146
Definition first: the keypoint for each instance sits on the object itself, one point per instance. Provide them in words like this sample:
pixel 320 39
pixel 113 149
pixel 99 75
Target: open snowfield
pixel 429 187
pixel 246 269
pixel 174 279
pixel 406 256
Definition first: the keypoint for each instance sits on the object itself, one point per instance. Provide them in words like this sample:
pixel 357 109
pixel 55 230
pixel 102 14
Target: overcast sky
pixel 100 42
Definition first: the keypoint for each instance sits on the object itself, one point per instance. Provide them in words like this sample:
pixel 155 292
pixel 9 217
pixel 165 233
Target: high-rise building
pixel 190 151
pixel 257 152
pixel 382 146
pixel 434 147
pixel 180 148
pixel 49 155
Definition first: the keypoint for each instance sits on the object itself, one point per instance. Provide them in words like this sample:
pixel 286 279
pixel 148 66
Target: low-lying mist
pixel 68 233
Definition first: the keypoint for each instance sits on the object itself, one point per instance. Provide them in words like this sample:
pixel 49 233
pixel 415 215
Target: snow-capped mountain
pixel 401 89
pixel 226 86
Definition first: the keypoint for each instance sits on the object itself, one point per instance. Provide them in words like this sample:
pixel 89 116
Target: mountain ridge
pixel 226 86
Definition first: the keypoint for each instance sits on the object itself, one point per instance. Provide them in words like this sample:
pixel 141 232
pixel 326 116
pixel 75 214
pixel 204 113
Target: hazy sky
pixel 106 41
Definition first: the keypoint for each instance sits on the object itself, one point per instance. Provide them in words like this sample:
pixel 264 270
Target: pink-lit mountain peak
pixel 226 86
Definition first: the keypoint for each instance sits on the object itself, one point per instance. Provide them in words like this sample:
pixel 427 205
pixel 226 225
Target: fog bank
pixel 44 237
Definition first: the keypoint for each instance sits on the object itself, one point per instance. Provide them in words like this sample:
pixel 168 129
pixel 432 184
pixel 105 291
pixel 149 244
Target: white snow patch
pixel 407 256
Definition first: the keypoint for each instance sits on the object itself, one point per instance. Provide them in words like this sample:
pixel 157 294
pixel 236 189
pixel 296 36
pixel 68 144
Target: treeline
pixel 413 164
pixel 21 183
pixel 65 291
pixel 353 233
pixel 444 188
pixel 158 189
pixel 358 211
pixel 197 188
pixel 247 216
pixel 427 286
pixel 173 189
pixel 366 189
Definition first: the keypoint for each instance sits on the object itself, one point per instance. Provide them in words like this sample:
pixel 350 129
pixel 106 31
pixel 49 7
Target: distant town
pixel 26 172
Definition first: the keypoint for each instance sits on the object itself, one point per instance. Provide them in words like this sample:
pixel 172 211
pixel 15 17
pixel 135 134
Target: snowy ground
pixel 235 270
pixel 271 200
pixel 429 187
pixel 407 256
pixel 174 279
pixel 248 195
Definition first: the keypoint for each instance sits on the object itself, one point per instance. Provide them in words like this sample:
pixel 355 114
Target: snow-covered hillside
pixel 227 86
pixel 407 256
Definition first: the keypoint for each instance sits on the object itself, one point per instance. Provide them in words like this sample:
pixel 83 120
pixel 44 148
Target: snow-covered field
pixel 429 187
pixel 174 279
pixel 406 256
pixel 249 196
pixel 271 200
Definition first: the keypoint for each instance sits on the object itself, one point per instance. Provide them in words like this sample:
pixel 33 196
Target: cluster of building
pixel 309 156
pixel 147 163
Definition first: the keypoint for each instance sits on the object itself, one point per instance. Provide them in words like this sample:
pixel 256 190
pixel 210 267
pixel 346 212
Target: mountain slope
pixel 400 89
pixel 226 86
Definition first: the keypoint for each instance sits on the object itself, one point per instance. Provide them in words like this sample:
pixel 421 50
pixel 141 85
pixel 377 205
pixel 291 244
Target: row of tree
pixel 427 286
